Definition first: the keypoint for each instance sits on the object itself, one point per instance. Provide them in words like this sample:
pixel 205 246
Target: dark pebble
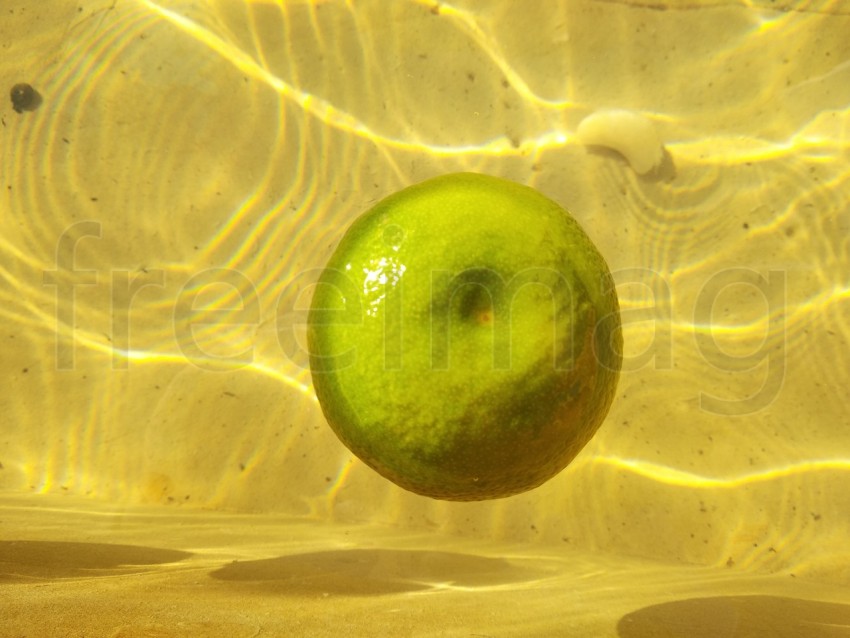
pixel 24 98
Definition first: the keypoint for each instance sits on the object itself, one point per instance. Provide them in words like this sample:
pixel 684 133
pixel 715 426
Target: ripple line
pixel 673 476
pixel 313 105
pixel 466 21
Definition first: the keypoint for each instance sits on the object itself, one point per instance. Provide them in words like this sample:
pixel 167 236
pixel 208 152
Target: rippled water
pixel 191 165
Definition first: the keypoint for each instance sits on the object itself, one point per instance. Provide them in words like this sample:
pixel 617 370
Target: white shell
pixel 630 134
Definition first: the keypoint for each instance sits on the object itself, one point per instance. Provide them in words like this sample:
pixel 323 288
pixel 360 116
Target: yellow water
pixel 164 211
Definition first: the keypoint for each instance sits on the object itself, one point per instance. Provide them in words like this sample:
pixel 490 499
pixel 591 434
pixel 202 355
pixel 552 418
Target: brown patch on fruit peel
pixel 485 317
pixel 491 467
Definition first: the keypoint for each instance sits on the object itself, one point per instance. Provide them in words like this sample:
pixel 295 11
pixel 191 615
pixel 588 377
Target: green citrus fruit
pixel 465 338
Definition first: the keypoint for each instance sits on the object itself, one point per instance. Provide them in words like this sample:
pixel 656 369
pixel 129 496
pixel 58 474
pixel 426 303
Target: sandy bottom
pixel 70 568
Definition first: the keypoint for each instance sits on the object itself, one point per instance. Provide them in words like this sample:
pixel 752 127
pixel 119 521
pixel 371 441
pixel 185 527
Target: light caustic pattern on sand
pixel 230 143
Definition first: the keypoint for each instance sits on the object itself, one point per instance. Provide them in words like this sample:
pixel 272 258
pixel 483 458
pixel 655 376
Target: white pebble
pixel 630 134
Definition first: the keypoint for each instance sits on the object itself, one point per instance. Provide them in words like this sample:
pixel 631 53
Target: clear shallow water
pixel 190 166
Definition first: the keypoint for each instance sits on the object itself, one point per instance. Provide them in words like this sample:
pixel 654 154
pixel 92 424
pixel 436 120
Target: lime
pixel 465 338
